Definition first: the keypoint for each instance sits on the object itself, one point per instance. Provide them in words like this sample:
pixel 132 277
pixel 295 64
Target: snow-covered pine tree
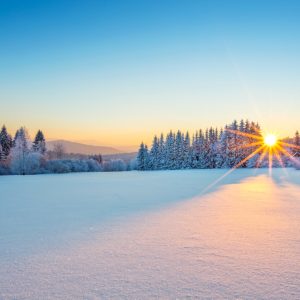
pixel 161 153
pixel 218 148
pixel 204 152
pixel 231 150
pixel 195 151
pixel 170 151
pixel 241 144
pixel 221 158
pixel 39 143
pixel 187 152
pixel 154 155
pixel 5 142
pixel 143 158
pixel 211 156
pixel 178 151
pixel 202 164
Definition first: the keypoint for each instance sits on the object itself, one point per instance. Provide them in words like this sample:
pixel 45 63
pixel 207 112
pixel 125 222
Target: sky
pixel 118 72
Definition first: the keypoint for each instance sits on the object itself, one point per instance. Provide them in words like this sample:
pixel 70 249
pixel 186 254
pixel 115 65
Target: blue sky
pixel 117 72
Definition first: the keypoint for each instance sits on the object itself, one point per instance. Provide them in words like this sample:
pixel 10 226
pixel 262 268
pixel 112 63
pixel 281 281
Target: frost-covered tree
pixel 187 152
pixel 154 155
pixel 143 158
pixel 170 154
pixel 39 143
pixel 161 153
pixel 194 151
pixel 5 142
pixel 20 152
pixel 177 155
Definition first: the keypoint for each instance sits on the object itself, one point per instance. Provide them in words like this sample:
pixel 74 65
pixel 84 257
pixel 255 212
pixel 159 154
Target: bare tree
pixel 59 150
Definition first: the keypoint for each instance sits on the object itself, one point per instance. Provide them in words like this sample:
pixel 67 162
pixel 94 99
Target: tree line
pixel 208 149
pixel 20 156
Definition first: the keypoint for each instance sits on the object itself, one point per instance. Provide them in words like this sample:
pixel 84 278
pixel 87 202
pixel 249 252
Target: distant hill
pixel 78 148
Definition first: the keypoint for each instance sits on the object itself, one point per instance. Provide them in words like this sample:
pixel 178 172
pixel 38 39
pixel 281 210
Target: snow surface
pixel 149 235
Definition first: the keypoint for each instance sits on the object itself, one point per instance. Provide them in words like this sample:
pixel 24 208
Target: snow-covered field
pixel 149 235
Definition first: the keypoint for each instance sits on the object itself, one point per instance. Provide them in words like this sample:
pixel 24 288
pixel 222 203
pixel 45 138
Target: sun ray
pixel 270 160
pixel 279 159
pixel 250 145
pixel 257 137
pixel 233 168
pixel 289 145
pixel 262 156
pixel 277 155
pixel 288 154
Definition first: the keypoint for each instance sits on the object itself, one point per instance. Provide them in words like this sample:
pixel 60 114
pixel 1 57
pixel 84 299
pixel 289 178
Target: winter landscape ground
pixel 150 235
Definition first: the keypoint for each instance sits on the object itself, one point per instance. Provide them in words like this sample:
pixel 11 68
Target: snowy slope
pixel 150 235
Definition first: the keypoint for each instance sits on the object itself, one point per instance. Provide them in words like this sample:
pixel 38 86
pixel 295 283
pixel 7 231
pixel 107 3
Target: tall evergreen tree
pixel 170 151
pixel 143 158
pixel 154 155
pixel 5 142
pixel 161 153
pixel 178 151
pixel 39 143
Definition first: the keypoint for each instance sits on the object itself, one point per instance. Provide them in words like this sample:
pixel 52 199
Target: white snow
pixel 143 235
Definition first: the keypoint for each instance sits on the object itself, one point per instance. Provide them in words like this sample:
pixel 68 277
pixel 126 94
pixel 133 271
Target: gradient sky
pixel 117 72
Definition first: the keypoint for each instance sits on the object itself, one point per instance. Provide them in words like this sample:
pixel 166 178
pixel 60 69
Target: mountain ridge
pixel 80 148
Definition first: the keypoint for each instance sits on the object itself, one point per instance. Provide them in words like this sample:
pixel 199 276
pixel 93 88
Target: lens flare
pixel 270 140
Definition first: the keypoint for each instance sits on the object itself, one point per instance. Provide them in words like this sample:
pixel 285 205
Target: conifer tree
pixel 142 158
pixel 5 142
pixel 187 153
pixel 161 153
pixel 154 155
pixel 170 152
pixel 39 143
pixel 178 151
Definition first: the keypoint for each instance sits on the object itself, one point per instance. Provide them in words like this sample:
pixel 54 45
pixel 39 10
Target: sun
pixel 270 140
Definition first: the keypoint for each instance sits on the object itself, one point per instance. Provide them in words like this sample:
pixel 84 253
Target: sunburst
pixel 264 145
pixel 270 140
